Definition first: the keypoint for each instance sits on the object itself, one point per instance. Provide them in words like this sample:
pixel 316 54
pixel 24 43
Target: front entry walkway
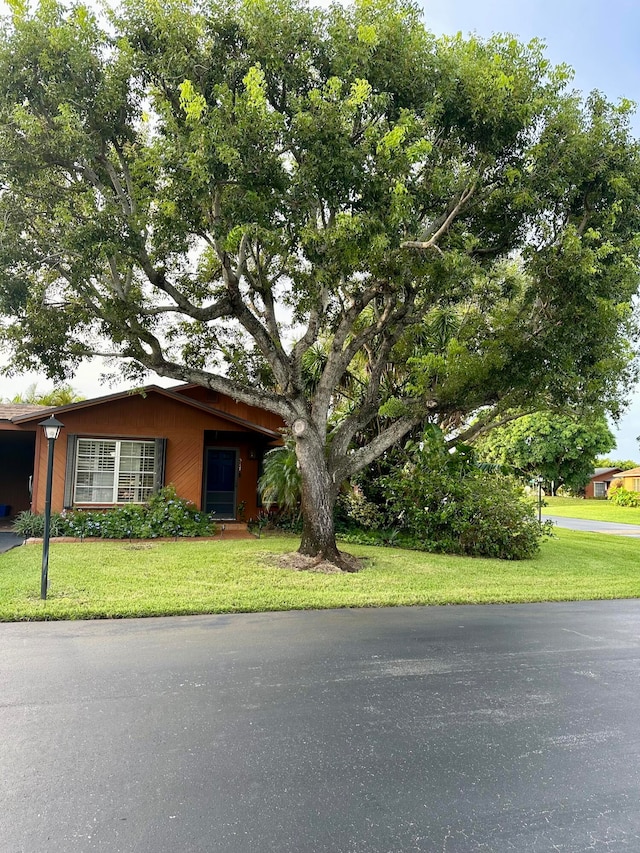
pixel 233 530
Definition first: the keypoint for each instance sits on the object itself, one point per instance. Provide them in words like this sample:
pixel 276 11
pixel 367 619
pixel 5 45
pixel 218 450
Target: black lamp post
pixel 51 429
pixel 539 481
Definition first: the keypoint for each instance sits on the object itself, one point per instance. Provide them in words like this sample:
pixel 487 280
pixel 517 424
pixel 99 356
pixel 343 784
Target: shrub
pixel 448 504
pixel 170 515
pixel 353 508
pixel 623 497
pixel 165 514
pixel 274 519
pixel 27 524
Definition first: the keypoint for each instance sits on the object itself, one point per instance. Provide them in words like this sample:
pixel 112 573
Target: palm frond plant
pixel 280 482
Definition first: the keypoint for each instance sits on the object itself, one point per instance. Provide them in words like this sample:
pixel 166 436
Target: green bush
pixel 165 515
pixel 446 503
pixel 280 520
pixel 624 497
pixel 169 515
pixel 27 524
pixel 353 508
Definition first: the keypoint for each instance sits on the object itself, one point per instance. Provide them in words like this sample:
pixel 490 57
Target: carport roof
pixel 11 411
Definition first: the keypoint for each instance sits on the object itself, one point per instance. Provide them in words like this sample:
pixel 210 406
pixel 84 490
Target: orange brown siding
pixel 156 416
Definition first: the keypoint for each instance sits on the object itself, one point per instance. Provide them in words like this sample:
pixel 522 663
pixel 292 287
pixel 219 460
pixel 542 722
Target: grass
pixel 592 509
pixel 114 580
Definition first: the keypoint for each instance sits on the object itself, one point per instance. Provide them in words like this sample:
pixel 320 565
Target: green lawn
pixel 108 579
pixel 591 509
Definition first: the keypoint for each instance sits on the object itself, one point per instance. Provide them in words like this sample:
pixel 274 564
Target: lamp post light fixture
pixel 51 429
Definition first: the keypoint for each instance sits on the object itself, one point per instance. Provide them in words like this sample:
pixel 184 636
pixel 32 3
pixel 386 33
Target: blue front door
pixel 220 482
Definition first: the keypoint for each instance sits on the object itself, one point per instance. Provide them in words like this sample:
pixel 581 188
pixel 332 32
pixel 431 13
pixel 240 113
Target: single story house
pixel 630 479
pixel 122 447
pixel 598 485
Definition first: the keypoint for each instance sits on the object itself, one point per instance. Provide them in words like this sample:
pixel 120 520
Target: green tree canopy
pixel 561 448
pixel 622 464
pixel 216 191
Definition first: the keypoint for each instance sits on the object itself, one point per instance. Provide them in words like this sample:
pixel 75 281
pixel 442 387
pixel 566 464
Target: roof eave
pixel 148 389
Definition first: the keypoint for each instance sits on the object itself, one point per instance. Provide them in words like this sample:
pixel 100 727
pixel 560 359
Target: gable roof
pixel 630 472
pixel 170 393
pixel 598 472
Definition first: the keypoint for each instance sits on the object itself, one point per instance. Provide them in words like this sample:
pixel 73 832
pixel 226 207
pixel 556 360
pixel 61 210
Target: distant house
pixel 120 448
pixel 599 483
pixel 630 479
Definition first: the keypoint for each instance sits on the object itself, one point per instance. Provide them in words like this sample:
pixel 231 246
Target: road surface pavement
pixel 589 526
pixel 438 730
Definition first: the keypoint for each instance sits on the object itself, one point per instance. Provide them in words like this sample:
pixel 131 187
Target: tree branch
pixel 369 406
pixel 340 359
pixel 221 308
pixel 310 335
pixel 364 456
pixel 125 201
pixel 334 368
pixel 270 346
pixel 271 349
pixel 480 428
pixel 442 224
pixel 277 404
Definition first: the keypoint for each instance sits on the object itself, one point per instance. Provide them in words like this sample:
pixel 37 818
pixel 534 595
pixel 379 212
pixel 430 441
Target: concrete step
pixel 233 530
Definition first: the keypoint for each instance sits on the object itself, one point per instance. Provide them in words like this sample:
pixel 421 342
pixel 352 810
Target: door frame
pixel 205 470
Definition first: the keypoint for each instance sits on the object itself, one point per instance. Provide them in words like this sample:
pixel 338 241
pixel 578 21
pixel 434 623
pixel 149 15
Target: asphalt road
pixel 590 526
pixel 445 729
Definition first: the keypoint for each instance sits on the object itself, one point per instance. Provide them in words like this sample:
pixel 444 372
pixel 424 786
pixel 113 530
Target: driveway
pixel 589 526
pixel 9 540
pixel 440 730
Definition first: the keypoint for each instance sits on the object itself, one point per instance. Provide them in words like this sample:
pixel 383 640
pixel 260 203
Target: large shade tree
pixel 280 203
pixel 561 448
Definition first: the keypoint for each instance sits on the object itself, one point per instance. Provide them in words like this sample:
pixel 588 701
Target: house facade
pixel 629 479
pixel 122 447
pixel 598 485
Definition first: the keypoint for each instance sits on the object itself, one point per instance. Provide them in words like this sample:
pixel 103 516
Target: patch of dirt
pixel 301 563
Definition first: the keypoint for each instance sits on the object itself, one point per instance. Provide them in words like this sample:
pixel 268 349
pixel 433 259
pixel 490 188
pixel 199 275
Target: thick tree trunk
pixel 319 494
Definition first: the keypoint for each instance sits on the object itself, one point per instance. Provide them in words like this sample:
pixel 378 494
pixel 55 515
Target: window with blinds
pixel 113 471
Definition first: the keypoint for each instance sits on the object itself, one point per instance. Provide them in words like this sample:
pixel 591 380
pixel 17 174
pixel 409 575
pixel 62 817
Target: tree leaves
pixel 222 193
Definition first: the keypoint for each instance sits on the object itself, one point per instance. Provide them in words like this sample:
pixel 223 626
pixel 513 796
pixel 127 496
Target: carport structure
pixel 17 451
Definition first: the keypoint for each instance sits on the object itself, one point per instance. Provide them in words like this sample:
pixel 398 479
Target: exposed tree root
pixel 298 562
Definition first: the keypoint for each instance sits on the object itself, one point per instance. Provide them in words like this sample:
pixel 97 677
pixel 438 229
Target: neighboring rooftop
pixel 597 472
pixel 8 411
pixel 630 472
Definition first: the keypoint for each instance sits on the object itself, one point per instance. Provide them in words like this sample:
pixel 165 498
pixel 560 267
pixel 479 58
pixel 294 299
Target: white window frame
pixel 636 484
pixel 144 492
pixel 599 489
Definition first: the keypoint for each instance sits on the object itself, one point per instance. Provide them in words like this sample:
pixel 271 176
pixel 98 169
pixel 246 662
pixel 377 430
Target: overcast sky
pixel 599 39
